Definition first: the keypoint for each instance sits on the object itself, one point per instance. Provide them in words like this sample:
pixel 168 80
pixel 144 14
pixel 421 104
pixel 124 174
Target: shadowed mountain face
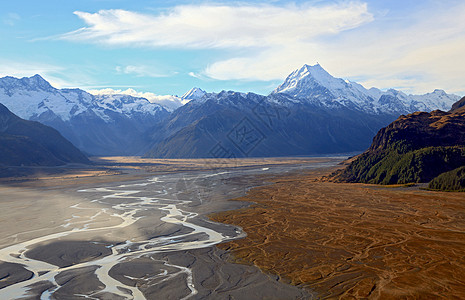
pixel 415 148
pixel 458 106
pixel 232 124
pixel 30 143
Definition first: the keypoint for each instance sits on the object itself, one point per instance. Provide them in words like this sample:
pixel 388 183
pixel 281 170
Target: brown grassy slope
pixel 353 240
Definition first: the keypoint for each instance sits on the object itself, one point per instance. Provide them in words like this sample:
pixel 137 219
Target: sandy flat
pixel 354 240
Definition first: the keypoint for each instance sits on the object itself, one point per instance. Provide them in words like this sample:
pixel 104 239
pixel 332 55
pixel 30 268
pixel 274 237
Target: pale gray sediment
pixel 144 239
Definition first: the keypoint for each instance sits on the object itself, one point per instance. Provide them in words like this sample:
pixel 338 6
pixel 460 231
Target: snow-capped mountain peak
pixel 38 82
pixel 194 94
pixel 305 78
pixel 34 83
pixel 313 84
pixel 317 72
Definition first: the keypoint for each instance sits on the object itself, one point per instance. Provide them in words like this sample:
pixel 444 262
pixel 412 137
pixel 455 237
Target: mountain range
pixel 98 125
pixel 311 112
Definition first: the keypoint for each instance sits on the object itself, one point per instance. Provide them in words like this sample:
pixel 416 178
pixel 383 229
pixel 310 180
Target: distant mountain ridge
pixel 32 96
pixel 29 143
pixel 311 112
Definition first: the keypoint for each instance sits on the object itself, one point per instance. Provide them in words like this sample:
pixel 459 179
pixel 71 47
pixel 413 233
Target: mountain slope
pixel 458 106
pixel 450 181
pixel 415 148
pixel 99 125
pixel 253 125
pixel 31 143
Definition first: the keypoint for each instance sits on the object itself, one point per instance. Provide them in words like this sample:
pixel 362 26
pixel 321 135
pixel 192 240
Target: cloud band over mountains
pixel 414 52
pixel 219 26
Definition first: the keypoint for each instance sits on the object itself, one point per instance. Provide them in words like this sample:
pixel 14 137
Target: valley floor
pixel 354 240
pixel 132 228
pixel 136 228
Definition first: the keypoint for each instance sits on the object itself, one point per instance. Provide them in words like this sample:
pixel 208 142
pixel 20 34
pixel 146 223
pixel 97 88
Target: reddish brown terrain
pixel 423 129
pixel 354 240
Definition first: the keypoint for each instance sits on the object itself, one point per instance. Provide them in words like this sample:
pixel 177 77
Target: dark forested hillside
pixel 30 143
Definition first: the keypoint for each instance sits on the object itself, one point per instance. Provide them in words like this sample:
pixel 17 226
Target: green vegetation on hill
pixel 450 181
pixel 415 148
pixel 394 167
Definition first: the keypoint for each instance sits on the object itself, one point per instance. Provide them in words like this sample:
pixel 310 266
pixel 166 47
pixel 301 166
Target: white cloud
pixel 168 101
pixel 416 55
pixel 269 64
pixel 24 69
pixel 200 75
pixel 141 71
pixel 58 76
pixel 219 26
pixel 11 19
pixel 51 73
pixel 195 75
pixel 415 52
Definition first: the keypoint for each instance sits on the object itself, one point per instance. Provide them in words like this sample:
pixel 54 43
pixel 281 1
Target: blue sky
pixel 167 47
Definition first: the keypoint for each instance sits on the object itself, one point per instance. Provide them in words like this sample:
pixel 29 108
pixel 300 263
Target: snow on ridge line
pixel 169 102
pixel 311 84
pixel 30 97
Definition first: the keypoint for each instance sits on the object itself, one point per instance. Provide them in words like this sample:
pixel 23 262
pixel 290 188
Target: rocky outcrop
pixel 414 148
